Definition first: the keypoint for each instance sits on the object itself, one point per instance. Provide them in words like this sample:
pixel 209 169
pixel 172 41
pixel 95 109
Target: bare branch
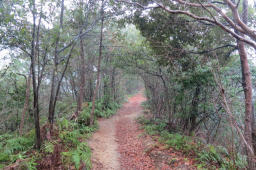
pixel 251 43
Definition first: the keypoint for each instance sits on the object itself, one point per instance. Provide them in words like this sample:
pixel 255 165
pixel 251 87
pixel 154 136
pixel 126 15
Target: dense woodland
pixel 66 63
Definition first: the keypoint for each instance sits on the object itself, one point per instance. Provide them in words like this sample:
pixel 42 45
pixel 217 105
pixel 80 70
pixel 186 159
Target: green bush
pixel 82 153
pixel 65 124
pixel 70 137
pixel 48 146
pixel 207 155
pixel 18 144
pixel 71 133
pixel 4 157
pixel 103 109
pixel 84 117
pixel 29 164
pixel 13 147
pixel 154 128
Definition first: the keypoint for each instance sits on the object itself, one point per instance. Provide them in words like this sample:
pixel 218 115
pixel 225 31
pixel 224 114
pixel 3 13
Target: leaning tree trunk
pixel 98 67
pixel 53 93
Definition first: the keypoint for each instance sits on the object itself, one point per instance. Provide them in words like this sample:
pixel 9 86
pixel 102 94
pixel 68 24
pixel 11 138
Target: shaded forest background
pixel 78 60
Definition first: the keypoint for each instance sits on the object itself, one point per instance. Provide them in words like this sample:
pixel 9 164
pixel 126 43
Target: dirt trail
pixel 104 146
pixel 105 142
pixel 120 144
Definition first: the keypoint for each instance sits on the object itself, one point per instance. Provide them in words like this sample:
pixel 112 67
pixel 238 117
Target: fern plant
pixel 70 137
pixel 82 153
pixel 48 147
pixel 18 144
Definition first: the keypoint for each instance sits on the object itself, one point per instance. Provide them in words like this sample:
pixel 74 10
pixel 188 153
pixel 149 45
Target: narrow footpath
pixel 119 144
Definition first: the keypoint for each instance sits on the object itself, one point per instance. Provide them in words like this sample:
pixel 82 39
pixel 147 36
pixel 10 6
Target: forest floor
pixel 120 143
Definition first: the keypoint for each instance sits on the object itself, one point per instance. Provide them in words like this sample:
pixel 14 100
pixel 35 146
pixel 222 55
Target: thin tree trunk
pixel 61 78
pixel 194 110
pixel 98 67
pixel 82 77
pixel 35 94
pixel 113 83
pixel 53 93
pixel 26 104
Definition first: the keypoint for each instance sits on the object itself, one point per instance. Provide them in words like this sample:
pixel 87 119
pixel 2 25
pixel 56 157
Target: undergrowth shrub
pixel 48 146
pixel 29 164
pixel 103 109
pixel 70 137
pixel 82 153
pixel 208 156
pixel 70 134
pixel 84 117
pixel 17 144
pixel 13 147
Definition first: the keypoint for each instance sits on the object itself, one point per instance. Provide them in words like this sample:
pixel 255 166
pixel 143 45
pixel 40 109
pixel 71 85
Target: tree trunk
pixel 253 128
pixel 53 93
pixel 26 104
pixel 35 93
pixel 194 110
pixel 247 88
pixel 113 84
pixel 82 77
pixel 98 67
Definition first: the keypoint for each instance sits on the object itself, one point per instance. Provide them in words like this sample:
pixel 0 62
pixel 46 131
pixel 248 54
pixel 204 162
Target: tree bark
pixel 194 110
pixel 82 78
pixel 99 64
pixel 247 88
pixel 253 128
pixel 35 93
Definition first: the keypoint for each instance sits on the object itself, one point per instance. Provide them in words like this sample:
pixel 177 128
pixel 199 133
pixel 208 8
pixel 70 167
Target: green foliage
pixel 152 128
pixel 219 156
pixel 210 155
pixel 84 117
pixel 48 146
pixel 207 155
pixel 70 137
pixel 73 135
pixel 87 130
pixel 14 147
pixel 65 107
pixel 81 153
pixel 4 157
pixel 177 141
pixel 29 164
pixel 102 109
pixel 18 144
pixel 65 124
